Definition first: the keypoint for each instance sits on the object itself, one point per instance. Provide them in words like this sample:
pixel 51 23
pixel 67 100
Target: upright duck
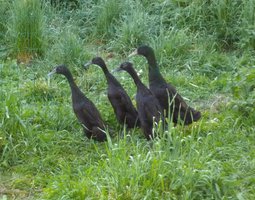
pixel 123 108
pixel 148 107
pixel 84 109
pixel 165 92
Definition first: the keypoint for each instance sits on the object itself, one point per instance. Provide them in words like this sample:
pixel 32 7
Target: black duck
pixel 124 110
pixel 148 107
pixel 165 92
pixel 84 109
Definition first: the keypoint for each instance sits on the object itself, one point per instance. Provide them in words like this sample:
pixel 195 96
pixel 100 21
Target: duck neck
pixel 108 75
pixel 151 59
pixel 154 73
pixel 71 82
pixel 135 77
pixel 105 69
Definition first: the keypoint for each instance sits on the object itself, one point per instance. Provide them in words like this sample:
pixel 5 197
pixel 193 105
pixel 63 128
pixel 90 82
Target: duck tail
pixel 191 116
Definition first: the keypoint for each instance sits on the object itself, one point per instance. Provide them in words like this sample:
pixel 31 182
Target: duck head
pixel 143 50
pixel 96 61
pixel 60 69
pixel 125 66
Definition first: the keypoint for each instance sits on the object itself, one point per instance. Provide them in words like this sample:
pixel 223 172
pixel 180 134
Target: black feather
pixel 148 107
pixel 84 109
pixel 123 108
pixel 165 92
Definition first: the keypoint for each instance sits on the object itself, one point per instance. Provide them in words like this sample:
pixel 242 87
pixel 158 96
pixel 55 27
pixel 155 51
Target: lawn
pixel 206 49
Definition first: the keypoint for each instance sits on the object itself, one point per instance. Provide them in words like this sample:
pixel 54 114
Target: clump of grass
pixel 220 18
pixel 225 13
pixel 4 15
pixel 174 47
pixel 68 49
pixel 134 28
pixel 243 90
pixel 106 15
pixel 27 28
pixel 37 90
pixel 217 18
pixel 60 4
pixel 248 25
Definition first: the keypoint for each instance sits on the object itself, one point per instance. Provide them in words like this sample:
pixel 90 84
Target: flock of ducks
pixel 154 104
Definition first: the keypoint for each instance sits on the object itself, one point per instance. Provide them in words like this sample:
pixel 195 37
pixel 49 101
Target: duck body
pixel 170 101
pixel 84 109
pixel 88 116
pixel 149 110
pixel 123 108
pixel 173 104
pixel 122 105
pixel 148 107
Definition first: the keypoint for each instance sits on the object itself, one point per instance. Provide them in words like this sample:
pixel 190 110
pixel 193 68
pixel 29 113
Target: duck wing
pixel 151 110
pixel 184 111
pixel 121 101
pixel 88 115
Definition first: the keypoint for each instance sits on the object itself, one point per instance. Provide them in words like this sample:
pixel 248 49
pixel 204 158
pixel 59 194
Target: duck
pixel 124 110
pixel 84 109
pixel 148 107
pixel 170 100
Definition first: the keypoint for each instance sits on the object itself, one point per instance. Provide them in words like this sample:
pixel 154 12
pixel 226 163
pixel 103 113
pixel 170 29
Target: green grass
pixel 106 15
pixel 204 48
pixel 27 26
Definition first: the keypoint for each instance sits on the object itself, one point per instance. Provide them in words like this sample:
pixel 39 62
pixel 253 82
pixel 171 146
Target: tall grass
pixel 68 48
pixel 225 20
pixel 134 28
pixel 248 25
pixel 243 90
pixel 26 28
pixel 106 15
pixel 3 18
pixel 60 4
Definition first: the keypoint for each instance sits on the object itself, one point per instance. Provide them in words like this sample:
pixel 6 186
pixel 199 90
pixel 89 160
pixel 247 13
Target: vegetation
pixel 205 48
pixel 26 28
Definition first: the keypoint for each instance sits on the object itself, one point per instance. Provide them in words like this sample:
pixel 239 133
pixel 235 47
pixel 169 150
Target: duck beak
pixel 86 66
pixel 133 53
pixel 52 72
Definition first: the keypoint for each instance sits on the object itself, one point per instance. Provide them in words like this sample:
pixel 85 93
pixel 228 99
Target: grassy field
pixel 206 49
